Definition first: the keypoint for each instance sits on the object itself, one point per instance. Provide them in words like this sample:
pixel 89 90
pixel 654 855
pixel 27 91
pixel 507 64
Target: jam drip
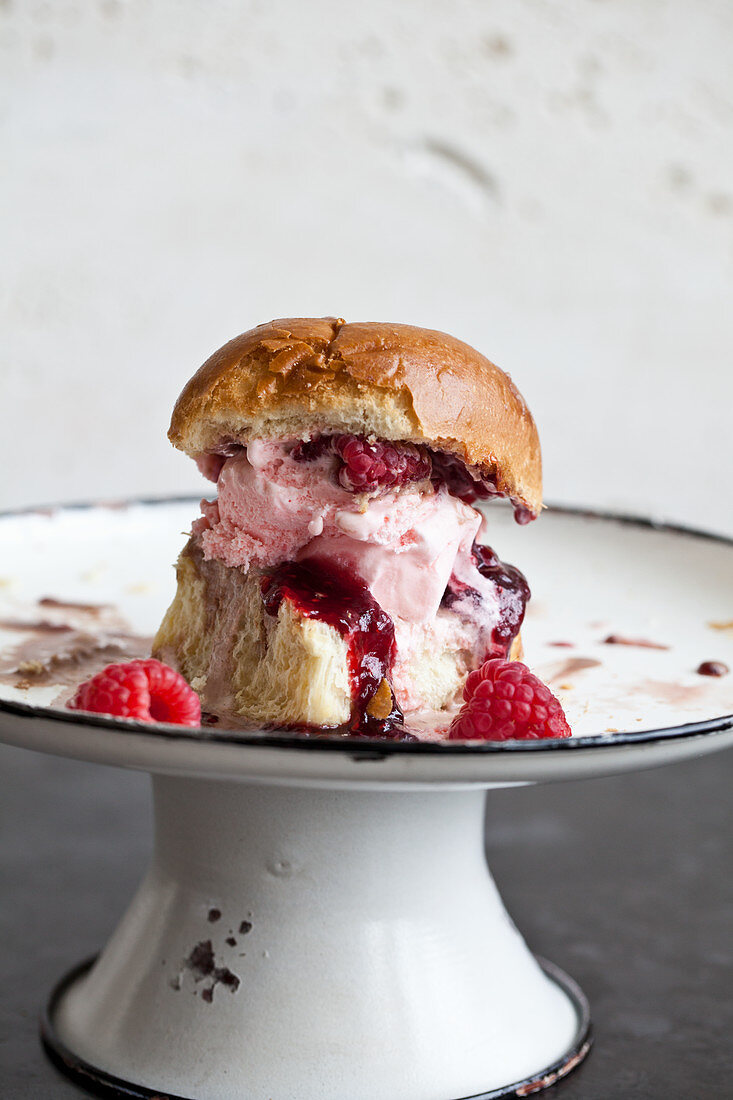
pixel 448 470
pixel 512 590
pixel 320 589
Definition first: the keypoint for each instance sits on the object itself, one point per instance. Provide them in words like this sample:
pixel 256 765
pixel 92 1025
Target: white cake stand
pixel 318 920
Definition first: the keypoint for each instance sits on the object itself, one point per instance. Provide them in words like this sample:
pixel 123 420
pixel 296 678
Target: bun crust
pixel 293 378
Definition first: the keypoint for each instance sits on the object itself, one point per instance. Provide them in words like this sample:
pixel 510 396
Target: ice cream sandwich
pixel 342 579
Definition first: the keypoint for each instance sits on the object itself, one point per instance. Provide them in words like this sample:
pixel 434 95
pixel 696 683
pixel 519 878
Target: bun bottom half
pixel 284 669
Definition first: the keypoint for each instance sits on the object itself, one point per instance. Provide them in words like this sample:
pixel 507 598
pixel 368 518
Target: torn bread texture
pixel 288 669
pixel 283 669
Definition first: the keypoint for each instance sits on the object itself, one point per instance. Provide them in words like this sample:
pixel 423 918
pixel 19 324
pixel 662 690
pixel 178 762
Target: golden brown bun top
pixel 293 378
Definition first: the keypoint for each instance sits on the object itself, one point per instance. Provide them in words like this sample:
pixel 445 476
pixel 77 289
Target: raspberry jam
pixel 513 594
pixel 320 589
pixel 372 466
pixel 712 668
pixel 448 470
pixel 513 589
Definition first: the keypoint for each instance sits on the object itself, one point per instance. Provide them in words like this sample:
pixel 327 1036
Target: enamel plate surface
pixel 592 577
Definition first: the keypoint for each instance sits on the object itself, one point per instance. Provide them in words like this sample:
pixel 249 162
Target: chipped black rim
pixel 366 748
pixel 104 1084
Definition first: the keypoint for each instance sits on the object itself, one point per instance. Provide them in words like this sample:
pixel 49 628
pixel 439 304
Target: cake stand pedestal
pixel 318 921
pixel 321 944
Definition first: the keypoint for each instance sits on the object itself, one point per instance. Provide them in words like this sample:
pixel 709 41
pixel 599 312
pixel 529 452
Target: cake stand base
pixel 97 1081
pixel 321 944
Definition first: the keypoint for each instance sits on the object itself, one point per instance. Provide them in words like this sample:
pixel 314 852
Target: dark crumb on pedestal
pixel 227 978
pixel 231 941
pixel 201 960
pixel 214 915
pixel 245 927
pixel 202 964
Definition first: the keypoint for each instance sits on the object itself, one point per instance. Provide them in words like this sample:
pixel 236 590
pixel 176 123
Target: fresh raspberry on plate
pixel 146 690
pixel 504 701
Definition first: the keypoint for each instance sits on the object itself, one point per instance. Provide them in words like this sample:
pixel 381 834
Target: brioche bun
pixel 295 378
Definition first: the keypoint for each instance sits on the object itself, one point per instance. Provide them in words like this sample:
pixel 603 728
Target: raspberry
pixel 146 690
pixel 504 701
pixel 371 466
pixel 365 467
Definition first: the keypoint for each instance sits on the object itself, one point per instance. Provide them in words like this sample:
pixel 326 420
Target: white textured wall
pixel 550 181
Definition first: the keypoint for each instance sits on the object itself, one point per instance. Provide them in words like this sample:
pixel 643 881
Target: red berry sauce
pixel 513 590
pixel 364 466
pixel 321 589
pixel 309 450
pixel 712 668
pixel 450 471
pixel 513 594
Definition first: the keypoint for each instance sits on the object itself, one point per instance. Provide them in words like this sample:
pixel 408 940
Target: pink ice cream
pixel 405 545
pixel 270 506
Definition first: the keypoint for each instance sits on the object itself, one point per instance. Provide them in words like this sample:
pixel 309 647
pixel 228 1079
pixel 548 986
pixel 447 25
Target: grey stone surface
pixel 626 883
